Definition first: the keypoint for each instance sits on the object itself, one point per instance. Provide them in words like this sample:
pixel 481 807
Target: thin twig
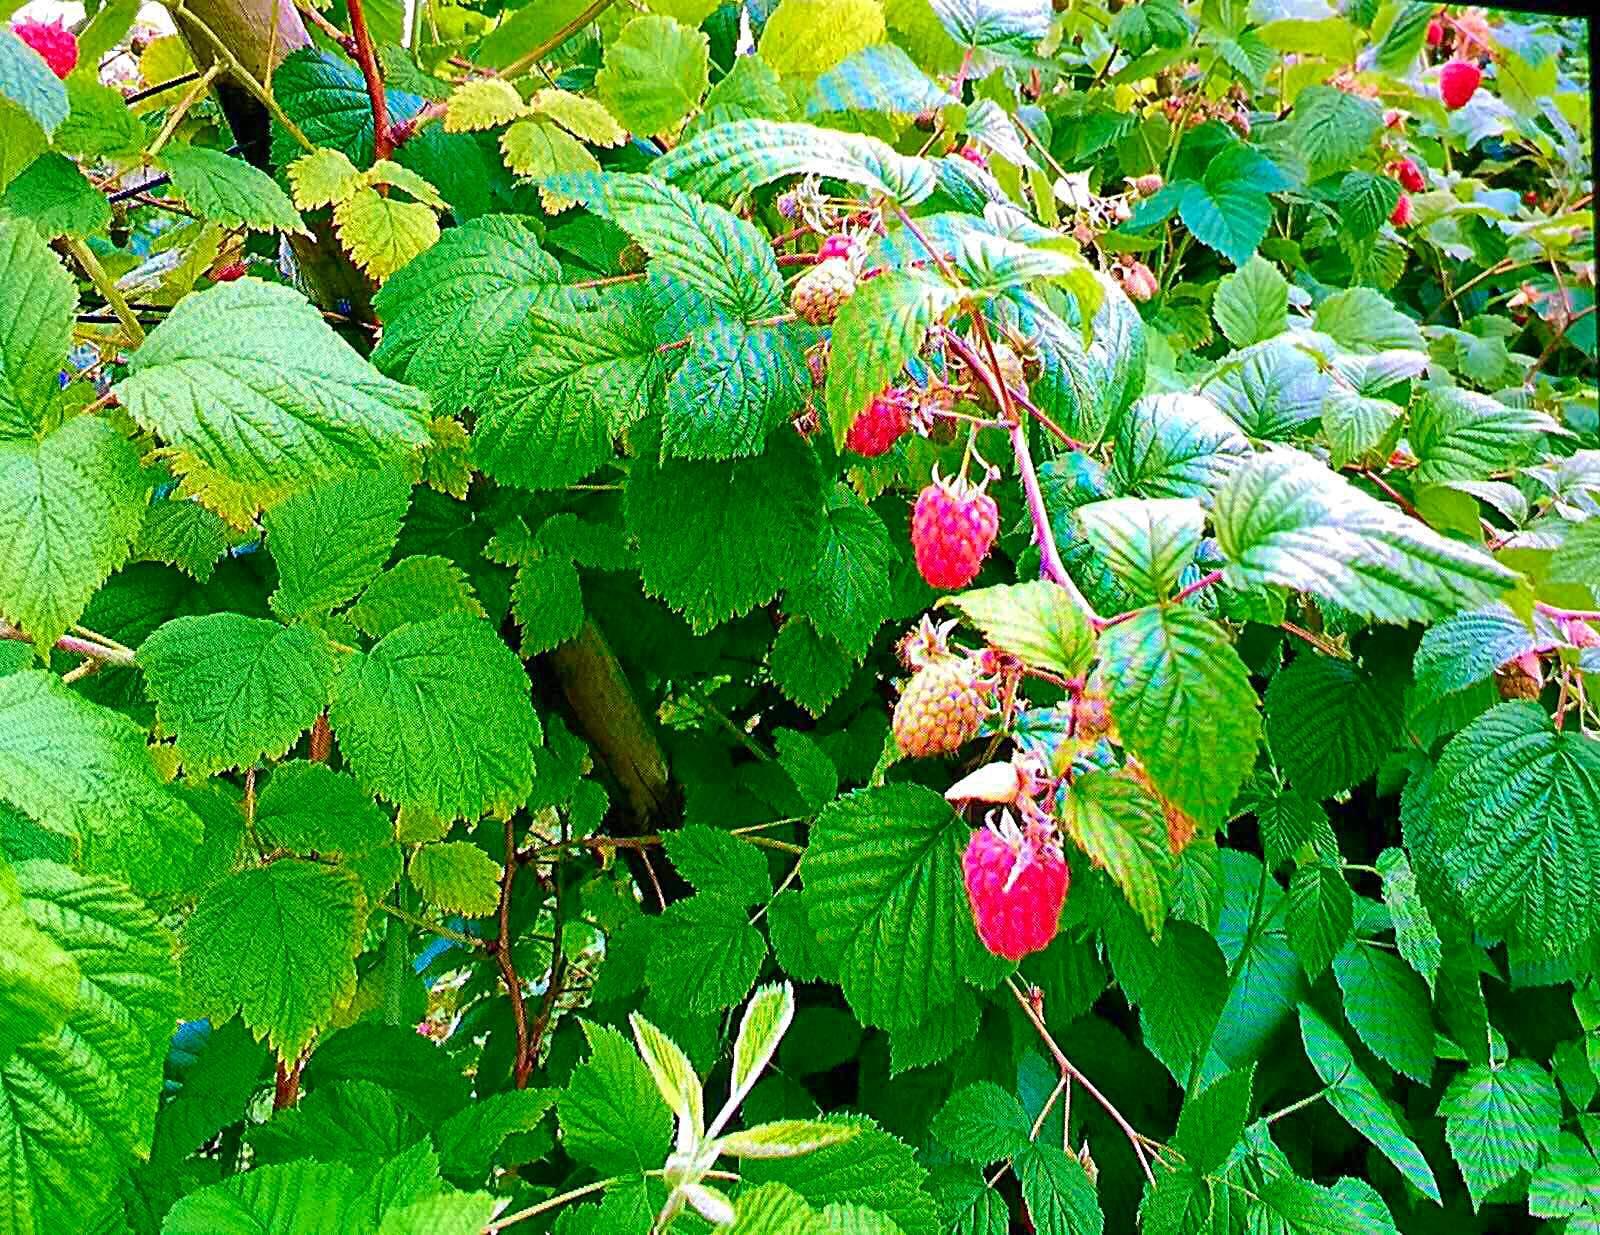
pixel 246 78
pixel 443 932
pixel 97 651
pixel 367 59
pixel 541 1021
pixel 107 287
pixel 508 967
pixel 175 117
pixel 139 96
pixel 536 54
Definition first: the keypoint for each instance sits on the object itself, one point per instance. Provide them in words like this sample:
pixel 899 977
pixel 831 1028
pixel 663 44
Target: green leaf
pixel 707 955
pixel 331 540
pixel 38 979
pixel 471 1138
pixel 715 860
pixel 276 944
pixel 717 539
pixel 1180 985
pixel 805 37
pixel 1321 914
pixel 1567 1183
pixel 1123 831
pixel 1176 445
pixel 881 78
pixel 547 600
pixel 878 330
pixel 1252 303
pixel 1271 390
pixel 70 506
pixel 226 190
pixel 414 589
pixel 1147 543
pixel 1298 1207
pixel 27 81
pixel 1577 559
pixel 773 1209
pixel 33 345
pixel 1292 825
pixel 723 257
pixel 766 1019
pixel 456 876
pixel 809 667
pixel 1182 699
pixel 247 380
pixel 233 689
pixel 872 1169
pixel 1387 1005
pixel 1329 724
pixel 82 772
pixel 57 198
pixel 723 162
pixel 847 592
pixel 286 1198
pixel 1332 128
pixel 182 533
pixel 1515 815
pixel 1365 321
pixel 737 385
pixel 1365 203
pixel 1060 1198
pixel 1014 25
pixel 982 1123
pixel 1036 622
pixel 436 716
pixel 749 91
pixel 310 808
pixel 1498 1122
pixel 1212 1121
pixel 444 1213
pixel 1402 41
pixel 884 895
pixel 1463 435
pixel 674 1076
pixel 1359 428
pixel 78 1101
pixel 612 1118
pixel 1414 933
pixel 1226 212
pixel 1285 518
pixel 654 73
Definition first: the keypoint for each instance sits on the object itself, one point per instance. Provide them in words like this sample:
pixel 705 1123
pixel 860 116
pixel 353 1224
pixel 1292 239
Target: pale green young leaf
pixel 437 716
pixel 235 690
pixel 249 380
pixel 1284 518
pixel 1147 542
pixel 276 944
pixel 382 234
pixel 70 506
pixel 329 541
pixel 443 1213
pixel 675 1079
pixel 1252 303
pixel 1035 621
pixel 414 589
pixel 1499 1121
pixel 34 344
pixel 583 117
pixel 228 190
pixel 766 1019
pixel 803 38
pixel 612 1117
pixel 457 877
pixel 82 772
pixel 982 1123
pixel 322 178
pixel 538 150
pixel 1182 699
pixel 654 73
pixel 309 808
pixel 884 896
pixel 717 539
pixel 483 103
pixel 784 1138
pixel 1123 831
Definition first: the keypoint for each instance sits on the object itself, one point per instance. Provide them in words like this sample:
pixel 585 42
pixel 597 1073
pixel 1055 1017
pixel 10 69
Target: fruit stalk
pixel 1050 563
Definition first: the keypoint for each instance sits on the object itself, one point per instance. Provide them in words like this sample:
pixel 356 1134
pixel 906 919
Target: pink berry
pixel 974 156
pixel 1458 82
pixel 52 40
pixel 838 245
pixel 1408 174
pixel 1401 215
pixel 879 427
pixel 1016 892
pixel 953 526
pixel 1435 32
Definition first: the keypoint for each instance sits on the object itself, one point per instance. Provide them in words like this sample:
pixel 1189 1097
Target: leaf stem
pixel 175 117
pixel 96 651
pixel 107 287
pixel 421 923
pixel 1204 581
pixel 367 59
pixel 1308 1100
pixel 536 54
pixel 508 967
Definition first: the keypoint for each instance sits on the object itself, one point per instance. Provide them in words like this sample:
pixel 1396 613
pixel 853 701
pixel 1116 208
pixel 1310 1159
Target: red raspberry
pixel 1401 215
pixel 52 40
pixel 974 156
pixel 838 245
pixel 1458 82
pixel 1394 119
pixel 1530 199
pixel 878 428
pixel 1435 32
pixel 952 527
pixel 1017 888
pixel 228 273
pixel 1408 174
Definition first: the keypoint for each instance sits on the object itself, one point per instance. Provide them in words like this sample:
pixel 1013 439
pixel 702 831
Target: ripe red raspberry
pixel 1530 199
pixel 974 156
pixel 1017 887
pixel 228 273
pixel 1458 82
pixel 1400 216
pixel 1408 174
pixel 1435 32
pixel 876 430
pixel 952 527
pixel 52 40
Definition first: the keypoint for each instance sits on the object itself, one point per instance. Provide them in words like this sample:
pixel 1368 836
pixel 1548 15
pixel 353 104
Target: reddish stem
pixel 1394 495
pixel 508 969
pixel 1204 581
pixel 286 1085
pixel 367 59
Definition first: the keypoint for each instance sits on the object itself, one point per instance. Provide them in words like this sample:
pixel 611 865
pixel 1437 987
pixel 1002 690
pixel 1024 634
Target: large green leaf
pixel 70 506
pixel 1147 543
pixel 883 890
pixel 1182 700
pixel 1387 1005
pixel 1271 390
pixel 1123 831
pixel 329 541
pixel 1462 435
pixel 736 386
pixel 1176 445
pixel 612 1117
pixel 848 591
pixel 1329 723
pixel 1499 1120
pixel 1285 518
pixel 247 380
pixel 34 344
pixel 654 73
pixel 1037 622
pixel 436 716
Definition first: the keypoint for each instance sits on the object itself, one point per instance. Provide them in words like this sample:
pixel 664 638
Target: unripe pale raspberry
pixel 1408 174
pixel 1458 82
pixel 1400 216
pixel 53 41
pixel 820 291
pixel 1139 281
pixel 1394 119
pixel 939 709
pixel 1148 185
pixel 1016 889
pixel 880 426
pixel 953 526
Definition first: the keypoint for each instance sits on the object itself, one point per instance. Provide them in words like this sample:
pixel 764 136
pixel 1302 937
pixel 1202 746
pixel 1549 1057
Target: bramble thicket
pixel 798 617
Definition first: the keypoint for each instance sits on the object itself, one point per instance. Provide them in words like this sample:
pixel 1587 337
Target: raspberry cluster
pixel 52 40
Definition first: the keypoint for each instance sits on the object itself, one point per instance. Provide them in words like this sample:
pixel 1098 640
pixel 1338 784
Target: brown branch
pixel 552 990
pixel 286 1085
pixel 77 645
pixel 367 59
pixel 508 968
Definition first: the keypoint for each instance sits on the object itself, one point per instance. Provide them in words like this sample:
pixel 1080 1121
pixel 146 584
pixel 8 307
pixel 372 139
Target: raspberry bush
pixel 798 617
